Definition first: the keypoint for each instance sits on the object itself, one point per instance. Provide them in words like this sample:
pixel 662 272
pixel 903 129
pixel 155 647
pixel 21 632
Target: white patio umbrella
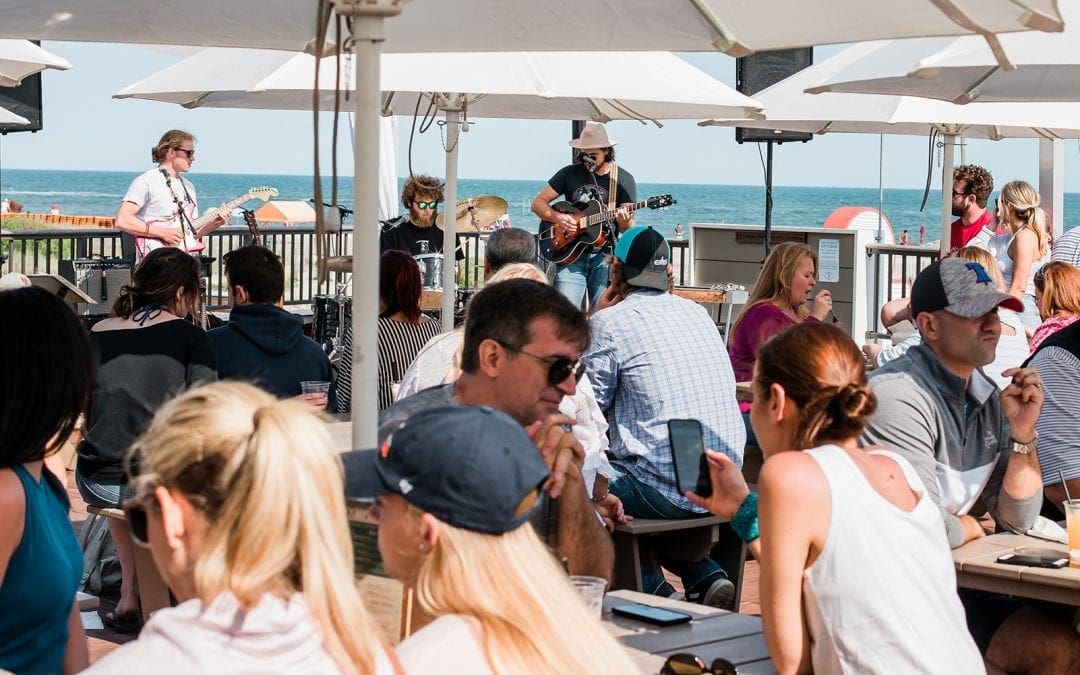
pixel 21 58
pixel 643 86
pixel 8 117
pixel 788 107
pixel 734 26
pixel 962 70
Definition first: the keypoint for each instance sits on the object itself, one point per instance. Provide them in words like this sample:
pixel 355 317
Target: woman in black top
pixel 145 354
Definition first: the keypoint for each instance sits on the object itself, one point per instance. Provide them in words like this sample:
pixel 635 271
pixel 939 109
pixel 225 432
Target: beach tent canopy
pixel 288 212
pixel 788 107
pixel 21 58
pixel 733 26
pixel 962 70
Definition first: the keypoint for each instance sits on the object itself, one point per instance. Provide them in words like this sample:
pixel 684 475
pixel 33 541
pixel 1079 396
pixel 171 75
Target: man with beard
pixel 420 197
pixel 974 223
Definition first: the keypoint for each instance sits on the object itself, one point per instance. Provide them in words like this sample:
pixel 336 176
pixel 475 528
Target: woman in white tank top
pixel 856 572
pixel 1029 245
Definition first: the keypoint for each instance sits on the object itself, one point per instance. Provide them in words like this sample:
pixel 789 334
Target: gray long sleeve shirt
pixel 953 433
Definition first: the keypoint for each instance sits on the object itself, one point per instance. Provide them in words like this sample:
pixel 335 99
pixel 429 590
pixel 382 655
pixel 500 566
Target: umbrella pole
pixel 768 197
pixel 946 195
pixel 367 33
pixel 453 116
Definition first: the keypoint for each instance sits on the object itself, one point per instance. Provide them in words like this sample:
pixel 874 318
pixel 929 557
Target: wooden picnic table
pixel 712 633
pixel 976 568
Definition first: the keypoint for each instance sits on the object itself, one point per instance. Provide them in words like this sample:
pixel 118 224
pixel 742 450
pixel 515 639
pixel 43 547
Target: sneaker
pixel 719 594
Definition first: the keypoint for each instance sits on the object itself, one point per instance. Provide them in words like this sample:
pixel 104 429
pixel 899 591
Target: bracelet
pixel 147 227
pixel 745 521
pixel 600 498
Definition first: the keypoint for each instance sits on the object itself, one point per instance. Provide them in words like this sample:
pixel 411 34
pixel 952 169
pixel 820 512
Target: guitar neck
pixel 211 214
pixel 610 215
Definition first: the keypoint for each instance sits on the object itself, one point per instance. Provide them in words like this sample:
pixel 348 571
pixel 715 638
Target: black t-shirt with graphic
pixel 576 185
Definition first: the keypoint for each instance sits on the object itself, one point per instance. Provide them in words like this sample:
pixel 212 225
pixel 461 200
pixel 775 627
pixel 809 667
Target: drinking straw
pixel 1065 485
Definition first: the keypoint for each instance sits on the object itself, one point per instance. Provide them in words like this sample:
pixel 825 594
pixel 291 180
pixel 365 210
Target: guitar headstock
pixel 660 201
pixel 264 193
pixel 252 225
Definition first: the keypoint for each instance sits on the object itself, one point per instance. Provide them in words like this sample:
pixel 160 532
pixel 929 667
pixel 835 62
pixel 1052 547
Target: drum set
pixel 331 313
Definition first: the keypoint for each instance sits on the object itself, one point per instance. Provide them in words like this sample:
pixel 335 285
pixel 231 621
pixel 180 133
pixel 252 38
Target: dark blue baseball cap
pixel 470 466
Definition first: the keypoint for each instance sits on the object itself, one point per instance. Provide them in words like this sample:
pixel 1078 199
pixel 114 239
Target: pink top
pixel 1049 327
pixel 761 322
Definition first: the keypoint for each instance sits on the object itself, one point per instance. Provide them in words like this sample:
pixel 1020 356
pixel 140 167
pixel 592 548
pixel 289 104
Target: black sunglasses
pixel 135 512
pixel 190 153
pixel 559 367
pixel 691 664
pixel 1040 275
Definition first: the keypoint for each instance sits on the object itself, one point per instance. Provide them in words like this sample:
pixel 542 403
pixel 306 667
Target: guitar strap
pixel 613 187
pixel 185 221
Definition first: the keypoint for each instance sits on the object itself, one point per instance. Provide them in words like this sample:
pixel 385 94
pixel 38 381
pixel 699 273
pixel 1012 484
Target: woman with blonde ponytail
pixel 454 488
pixel 240 499
pixel 1028 247
pixel 852 549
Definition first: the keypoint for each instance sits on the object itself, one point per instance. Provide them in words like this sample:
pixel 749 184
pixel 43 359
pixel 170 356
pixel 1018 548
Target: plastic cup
pixel 1072 524
pixel 315 387
pixel 591 590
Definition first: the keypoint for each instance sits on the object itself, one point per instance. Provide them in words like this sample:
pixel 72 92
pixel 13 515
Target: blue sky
pixel 85 129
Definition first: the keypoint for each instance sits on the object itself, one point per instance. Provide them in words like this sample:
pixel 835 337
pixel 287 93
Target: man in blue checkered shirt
pixel 656 357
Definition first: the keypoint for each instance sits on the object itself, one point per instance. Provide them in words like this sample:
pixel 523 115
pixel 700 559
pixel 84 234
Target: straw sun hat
pixel 593 136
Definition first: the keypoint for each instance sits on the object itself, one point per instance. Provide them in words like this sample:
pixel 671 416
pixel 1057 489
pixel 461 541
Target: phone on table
pixel 1035 557
pixel 688 452
pixel 650 614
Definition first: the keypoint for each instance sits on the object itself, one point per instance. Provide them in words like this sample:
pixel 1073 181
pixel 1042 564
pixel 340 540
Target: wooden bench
pixel 688 539
pixel 153 591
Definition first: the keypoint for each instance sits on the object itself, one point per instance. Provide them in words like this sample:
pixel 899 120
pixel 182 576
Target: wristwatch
pixel 1025 448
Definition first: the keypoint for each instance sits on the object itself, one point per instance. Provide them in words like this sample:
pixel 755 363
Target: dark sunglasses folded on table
pixel 691 664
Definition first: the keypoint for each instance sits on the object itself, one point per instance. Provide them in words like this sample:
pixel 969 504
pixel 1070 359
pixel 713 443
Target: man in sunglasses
pixel 159 207
pixel 971 189
pixel 523 342
pixel 415 230
pixel 656 357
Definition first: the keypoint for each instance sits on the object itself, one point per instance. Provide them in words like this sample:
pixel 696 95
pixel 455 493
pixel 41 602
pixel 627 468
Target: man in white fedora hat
pixel 595 178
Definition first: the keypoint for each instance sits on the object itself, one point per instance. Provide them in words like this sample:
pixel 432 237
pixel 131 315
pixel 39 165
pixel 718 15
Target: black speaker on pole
pixel 24 100
pixel 761 70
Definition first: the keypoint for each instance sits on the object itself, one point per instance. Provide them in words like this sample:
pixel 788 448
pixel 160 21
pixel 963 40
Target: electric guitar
pixel 593 222
pixel 191 243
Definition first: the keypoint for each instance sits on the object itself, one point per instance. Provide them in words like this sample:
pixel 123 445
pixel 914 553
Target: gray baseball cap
pixel 959 287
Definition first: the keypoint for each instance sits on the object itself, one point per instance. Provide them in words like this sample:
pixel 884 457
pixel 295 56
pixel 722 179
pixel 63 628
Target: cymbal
pixel 476 214
pixel 339 263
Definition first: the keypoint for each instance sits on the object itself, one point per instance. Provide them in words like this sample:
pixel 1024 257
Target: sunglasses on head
pixel 135 512
pixel 427 205
pixel 1040 275
pixel 559 367
pixel 691 664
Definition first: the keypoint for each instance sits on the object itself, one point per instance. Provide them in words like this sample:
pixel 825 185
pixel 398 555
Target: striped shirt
pixel 399 342
pixel 1059 444
pixel 656 357
pixel 1067 248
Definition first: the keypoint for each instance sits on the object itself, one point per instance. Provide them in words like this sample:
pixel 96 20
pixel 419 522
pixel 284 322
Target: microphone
pixel 588 162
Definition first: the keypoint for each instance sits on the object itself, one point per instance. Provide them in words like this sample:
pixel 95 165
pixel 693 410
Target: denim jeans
pixel 641 501
pixel 589 271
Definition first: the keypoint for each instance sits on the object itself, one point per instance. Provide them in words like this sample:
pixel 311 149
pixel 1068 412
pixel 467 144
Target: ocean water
pixel 100 192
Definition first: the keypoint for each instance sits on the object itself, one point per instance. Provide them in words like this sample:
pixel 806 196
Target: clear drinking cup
pixel 318 387
pixel 1072 524
pixel 591 590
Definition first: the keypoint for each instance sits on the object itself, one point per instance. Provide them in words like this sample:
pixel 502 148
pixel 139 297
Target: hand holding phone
pixel 688 455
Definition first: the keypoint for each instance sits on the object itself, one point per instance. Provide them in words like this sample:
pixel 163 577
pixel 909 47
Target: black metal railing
pixel 894 268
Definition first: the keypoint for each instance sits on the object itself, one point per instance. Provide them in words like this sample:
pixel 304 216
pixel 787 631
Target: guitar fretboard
pixel 610 215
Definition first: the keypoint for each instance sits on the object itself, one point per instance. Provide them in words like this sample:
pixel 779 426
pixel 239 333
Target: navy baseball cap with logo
pixel 469 466
pixel 960 287
pixel 645 256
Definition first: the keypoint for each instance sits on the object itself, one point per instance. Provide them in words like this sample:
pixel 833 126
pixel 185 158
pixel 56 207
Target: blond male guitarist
pixel 159 208
pixel 590 179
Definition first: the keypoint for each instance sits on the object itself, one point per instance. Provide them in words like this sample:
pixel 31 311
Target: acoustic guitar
pixel 594 223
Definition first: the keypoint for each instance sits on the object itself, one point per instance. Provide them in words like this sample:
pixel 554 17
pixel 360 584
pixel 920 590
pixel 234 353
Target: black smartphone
pixel 688 453
pixel 650 614
pixel 1035 557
